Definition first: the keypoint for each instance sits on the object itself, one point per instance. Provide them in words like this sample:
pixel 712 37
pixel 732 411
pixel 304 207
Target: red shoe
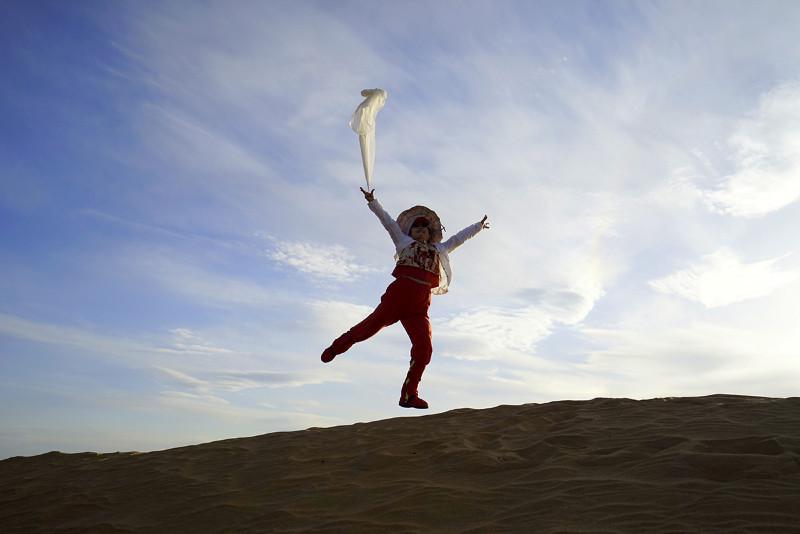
pixel 327 355
pixel 414 402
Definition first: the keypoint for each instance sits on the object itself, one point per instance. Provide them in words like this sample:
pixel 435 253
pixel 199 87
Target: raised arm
pixel 470 231
pixel 390 224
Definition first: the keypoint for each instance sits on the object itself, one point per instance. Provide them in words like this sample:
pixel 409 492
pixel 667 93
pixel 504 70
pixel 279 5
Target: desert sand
pixel 721 463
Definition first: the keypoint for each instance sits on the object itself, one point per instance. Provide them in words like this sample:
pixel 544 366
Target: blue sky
pixel 182 231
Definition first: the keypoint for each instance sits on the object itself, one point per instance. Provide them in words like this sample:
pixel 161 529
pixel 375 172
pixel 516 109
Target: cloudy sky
pixel 181 231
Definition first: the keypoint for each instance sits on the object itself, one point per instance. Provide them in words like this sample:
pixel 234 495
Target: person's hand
pixel 485 224
pixel 369 195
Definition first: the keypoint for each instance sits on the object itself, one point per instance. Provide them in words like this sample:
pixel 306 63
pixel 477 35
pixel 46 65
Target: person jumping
pixel 423 268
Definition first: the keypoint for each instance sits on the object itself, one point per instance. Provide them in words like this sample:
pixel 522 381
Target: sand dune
pixel 721 463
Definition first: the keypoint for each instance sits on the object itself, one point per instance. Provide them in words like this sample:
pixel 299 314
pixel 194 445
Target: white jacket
pixel 402 240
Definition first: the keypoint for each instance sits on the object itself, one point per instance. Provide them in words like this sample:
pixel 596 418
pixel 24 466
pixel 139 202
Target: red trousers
pixel 406 301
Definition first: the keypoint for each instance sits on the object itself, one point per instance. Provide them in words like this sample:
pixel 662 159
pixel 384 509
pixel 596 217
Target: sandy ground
pixel 721 463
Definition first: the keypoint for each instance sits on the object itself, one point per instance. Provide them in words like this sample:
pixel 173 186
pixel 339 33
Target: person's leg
pixel 384 315
pixel 418 328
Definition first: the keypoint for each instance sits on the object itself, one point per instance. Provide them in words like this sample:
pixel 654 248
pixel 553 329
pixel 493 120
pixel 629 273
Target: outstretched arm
pixel 470 231
pixel 386 220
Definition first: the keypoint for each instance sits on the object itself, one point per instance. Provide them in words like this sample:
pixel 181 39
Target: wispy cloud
pixel 499 328
pixel 766 157
pixel 184 379
pixel 722 278
pixel 187 342
pixel 183 275
pixel 333 316
pixel 71 337
pixel 220 380
pixel 253 420
pixel 521 328
pixel 201 150
pixel 648 356
pixel 326 262
pixel 240 380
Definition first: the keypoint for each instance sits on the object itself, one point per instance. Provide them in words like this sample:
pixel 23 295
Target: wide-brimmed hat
pixel 407 218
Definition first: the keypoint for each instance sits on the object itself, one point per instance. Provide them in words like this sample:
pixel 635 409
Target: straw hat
pixel 407 218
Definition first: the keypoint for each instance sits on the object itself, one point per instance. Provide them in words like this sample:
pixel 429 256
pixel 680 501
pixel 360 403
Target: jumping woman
pixel 423 268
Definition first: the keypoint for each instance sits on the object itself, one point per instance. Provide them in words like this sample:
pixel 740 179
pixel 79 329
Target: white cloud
pixel 722 278
pixel 206 374
pixel 332 262
pixel 186 276
pixel 219 380
pixel 240 380
pixel 215 70
pixel 184 379
pixel 766 155
pixel 187 342
pixel 651 357
pixel 334 317
pixel 520 328
pixel 71 337
pixel 182 397
pixel 200 149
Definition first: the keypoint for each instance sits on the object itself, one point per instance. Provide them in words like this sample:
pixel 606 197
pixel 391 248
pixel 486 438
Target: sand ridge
pixel 721 463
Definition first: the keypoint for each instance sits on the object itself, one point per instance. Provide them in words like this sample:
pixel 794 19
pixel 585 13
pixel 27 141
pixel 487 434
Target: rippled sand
pixel 721 463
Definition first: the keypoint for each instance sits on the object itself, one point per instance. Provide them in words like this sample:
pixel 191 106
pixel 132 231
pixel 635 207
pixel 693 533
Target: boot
pixel 339 346
pixel 328 355
pixel 409 397
pixel 414 402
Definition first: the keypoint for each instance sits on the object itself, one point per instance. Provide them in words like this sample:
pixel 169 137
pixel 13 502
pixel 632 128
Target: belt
pixel 416 280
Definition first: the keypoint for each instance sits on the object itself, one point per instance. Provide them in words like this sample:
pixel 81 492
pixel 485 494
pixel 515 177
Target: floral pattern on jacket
pixel 421 255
